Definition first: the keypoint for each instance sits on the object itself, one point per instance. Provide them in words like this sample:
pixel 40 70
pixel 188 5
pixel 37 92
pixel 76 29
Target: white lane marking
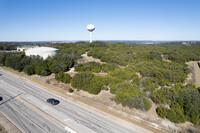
pixel 70 130
pixel 45 107
pixel 67 120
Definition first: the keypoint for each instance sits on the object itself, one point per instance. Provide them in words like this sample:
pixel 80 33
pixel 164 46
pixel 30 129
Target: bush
pixel 161 111
pixel 130 95
pixel 42 70
pixel 58 67
pixel 175 115
pixel 71 90
pixel 147 104
pixel 88 82
pixel 63 77
pixel 90 67
pixel 29 69
pixel 193 114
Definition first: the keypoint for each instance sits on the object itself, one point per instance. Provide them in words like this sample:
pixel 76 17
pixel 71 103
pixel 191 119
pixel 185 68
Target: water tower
pixel 90 28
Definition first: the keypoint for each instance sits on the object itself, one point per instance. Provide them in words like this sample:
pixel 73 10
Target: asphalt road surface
pixel 24 104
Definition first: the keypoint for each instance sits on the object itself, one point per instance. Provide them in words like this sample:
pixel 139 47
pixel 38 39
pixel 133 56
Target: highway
pixel 24 104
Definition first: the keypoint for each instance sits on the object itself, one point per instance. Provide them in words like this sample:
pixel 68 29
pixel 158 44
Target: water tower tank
pixel 90 28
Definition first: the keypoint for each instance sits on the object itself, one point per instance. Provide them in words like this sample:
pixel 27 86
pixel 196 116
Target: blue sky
pixel 45 20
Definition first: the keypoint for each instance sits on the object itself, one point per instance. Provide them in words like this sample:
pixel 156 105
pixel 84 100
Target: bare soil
pixel 87 58
pixel 138 74
pixel 101 73
pixel 165 58
pixel 71 72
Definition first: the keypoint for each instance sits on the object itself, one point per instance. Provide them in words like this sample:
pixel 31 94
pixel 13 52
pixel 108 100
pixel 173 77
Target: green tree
pixel 147 104
pixel 63 77
pixel 29 69
pixel 88 82
pixel 161 111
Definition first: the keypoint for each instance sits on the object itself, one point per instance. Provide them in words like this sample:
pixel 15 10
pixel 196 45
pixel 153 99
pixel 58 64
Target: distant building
pixel 24 48
pixel 184 43
pixel 44 52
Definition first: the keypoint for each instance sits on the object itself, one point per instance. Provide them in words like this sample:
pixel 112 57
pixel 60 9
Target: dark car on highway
pixel 1 98
pixel 199 64
pixel 53 101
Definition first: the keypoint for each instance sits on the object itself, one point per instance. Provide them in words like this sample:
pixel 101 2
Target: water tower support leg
pixel 90 37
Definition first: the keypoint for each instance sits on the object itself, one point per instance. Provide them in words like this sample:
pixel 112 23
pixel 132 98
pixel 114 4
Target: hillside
pixel 148 78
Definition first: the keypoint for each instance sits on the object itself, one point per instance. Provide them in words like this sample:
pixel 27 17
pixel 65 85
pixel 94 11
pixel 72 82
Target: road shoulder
pixel 8 125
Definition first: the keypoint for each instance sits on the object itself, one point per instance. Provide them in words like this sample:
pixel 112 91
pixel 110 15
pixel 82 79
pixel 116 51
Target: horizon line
pixel 88 40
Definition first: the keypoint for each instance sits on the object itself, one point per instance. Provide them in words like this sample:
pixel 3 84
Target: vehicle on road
pixel 1 98
pixel 199 64
pixel 53 101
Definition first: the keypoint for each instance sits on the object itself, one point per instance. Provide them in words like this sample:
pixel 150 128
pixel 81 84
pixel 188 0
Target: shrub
pixel 147 104
pixel 90 67
pixel 88 82
pixel 58 67
pixel 42 70
pixel 29 69
pixel 63 77
pixel 71 90
pixel 161 111
pixel 175 115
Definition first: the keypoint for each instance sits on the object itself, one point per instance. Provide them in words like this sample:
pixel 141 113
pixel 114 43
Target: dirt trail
pixel 71 72
pixel 194 76
pixel 165 58
pixel 86 59
pixel 197 74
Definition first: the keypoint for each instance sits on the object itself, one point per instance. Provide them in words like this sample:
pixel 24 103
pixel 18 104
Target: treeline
pixel 123 54
pixel 10 46
pixel 180 53
pixel 14 45
pixel 35 64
